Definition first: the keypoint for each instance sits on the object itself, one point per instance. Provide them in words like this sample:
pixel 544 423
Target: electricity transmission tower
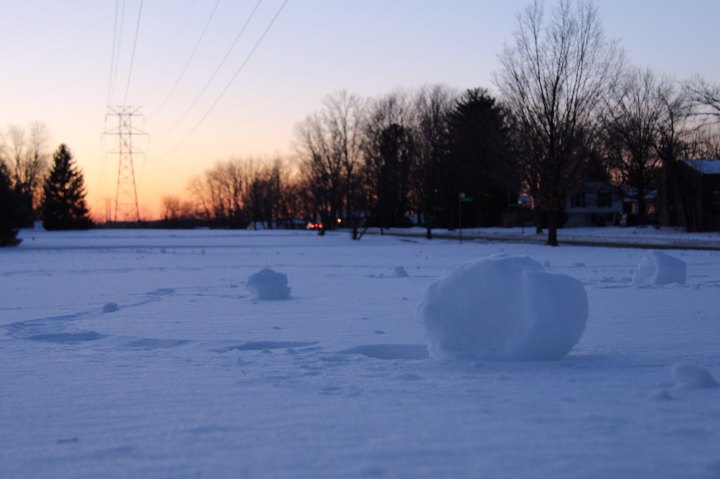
pixel 126 201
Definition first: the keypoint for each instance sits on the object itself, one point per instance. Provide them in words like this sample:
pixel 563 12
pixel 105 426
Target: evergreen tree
pixel 8 210
pixel 63 205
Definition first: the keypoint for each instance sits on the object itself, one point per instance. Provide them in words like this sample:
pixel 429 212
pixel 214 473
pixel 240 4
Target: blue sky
pixel 56 58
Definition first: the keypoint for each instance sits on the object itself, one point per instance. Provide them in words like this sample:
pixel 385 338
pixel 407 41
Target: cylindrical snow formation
pixel 503 307
pixel 656 267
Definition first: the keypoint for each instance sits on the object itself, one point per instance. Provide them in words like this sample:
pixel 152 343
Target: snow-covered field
pixel 142 354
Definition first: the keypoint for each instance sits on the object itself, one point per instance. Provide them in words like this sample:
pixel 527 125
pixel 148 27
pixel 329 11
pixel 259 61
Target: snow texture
pixel 338 382
pixel 658 268
pixel 503 307
pixel 268 284
pixel 691 376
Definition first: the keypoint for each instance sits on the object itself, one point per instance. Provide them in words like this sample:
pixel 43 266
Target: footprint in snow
pixel 661 395
pixel 266 345
pixel 390 351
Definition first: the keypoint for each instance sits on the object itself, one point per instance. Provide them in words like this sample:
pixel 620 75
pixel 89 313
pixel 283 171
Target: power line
pixel 115 60
pixel 112 56
pixel 212 77
pixel 232 80
pixel 132 56
pixel 192 55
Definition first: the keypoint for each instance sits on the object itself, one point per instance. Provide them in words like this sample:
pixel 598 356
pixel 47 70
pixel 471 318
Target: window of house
pixel 604 199
pixel 577 200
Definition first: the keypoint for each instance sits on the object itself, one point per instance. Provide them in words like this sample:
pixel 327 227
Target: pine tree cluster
pixel 8 210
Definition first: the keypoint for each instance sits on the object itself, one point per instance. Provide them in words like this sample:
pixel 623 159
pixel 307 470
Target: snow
pixel 708 167
pixel 693 376
pixel 193 377
pixel 661 394
pixel 659 268
pixel 268 284
pixel 503 307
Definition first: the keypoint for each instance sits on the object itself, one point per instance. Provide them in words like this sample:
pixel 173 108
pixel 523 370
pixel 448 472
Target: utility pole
pixel 126 201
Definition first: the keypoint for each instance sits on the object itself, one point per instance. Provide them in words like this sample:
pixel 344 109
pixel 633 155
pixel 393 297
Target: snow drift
pixel 503 307
pixel 656 267
pixel 110 308
pixel 268 284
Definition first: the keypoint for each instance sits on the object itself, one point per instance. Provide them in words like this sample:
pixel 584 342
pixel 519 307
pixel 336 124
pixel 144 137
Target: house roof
pixel 706 167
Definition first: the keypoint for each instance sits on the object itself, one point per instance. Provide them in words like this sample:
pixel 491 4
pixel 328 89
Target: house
pixel 596 203
pixel 699 182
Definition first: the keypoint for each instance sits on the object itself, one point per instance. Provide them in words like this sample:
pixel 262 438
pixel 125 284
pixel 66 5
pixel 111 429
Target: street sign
pixel 462 198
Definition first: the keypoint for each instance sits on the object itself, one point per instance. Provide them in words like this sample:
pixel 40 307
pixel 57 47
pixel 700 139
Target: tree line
pixel 391 161
pixel 570 109
pixel 582 111
pixel 34 186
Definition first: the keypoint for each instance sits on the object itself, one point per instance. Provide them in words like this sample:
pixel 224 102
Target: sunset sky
pixel 56 58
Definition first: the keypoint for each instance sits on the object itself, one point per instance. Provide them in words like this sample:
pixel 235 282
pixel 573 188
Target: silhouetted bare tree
pixel 329 146
pixel 431 108
pixel 388 153
pixel 265 194
pixel 704 142
pixel 553 78
pixel 240 192
pixel 178 213
pixel 634 113
pixel 673 135
pixel 196 187
pixel 321 171
pixel 344 118
pixel 26 154
pixel 220 191
pixel 705 97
